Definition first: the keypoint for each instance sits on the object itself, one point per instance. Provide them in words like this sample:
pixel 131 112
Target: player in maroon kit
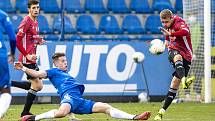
pixel 178 42
pixel 27 40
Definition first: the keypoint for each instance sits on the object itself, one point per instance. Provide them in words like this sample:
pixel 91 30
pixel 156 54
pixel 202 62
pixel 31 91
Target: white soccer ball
pixel 138 57
pixel 157 47
pixel 143 97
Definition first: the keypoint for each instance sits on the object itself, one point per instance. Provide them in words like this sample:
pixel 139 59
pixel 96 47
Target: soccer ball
pixel 138 57
pixel 143 97
pixel 157 47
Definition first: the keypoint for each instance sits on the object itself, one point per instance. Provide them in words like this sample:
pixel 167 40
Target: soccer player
pixel 178 41
pixel 70 91
pixel 5 97
pixel 27 40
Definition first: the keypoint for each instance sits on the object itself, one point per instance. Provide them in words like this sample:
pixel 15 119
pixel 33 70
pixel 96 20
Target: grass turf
pixel 176 112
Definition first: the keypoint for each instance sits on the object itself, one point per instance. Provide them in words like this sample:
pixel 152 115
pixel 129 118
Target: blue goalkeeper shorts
pixel 4 74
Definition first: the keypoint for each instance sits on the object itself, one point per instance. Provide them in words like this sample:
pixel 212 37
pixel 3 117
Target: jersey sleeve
pixel 50 73
pixel 10 31
pixel 181 29
pixel 23 27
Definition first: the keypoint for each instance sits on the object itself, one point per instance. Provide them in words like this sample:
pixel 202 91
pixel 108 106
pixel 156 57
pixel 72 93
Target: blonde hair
pixel 165 14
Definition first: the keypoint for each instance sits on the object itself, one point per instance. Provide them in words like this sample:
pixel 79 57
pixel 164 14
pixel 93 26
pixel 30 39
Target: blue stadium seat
pixel 140 6
pixel 43 24
pixel 6 6
pixel 150 37
pixel 152 23
pixel 68 28
pixel 179 5
pixel 159 5
pixel 117 6
pixel 49 6
pixel 132 25
pixel 109 25
pixel 86 25
pixel 22 6
pixel 16 20
pixel 95 6
pixel 51 37
pixel 73 6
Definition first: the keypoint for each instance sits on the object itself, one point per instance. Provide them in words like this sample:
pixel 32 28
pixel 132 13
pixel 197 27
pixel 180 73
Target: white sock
pixel 5 100
pixel 115 113
pixel 46 115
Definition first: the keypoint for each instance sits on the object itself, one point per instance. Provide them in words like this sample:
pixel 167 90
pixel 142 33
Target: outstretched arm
pixel 34 73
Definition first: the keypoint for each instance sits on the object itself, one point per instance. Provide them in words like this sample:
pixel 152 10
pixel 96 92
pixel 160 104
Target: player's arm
pixel 33 73
pixel 10 31
pixel 21 33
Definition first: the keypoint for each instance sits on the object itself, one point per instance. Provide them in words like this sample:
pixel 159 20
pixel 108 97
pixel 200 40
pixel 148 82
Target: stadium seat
pixel 16 20
pixel 132 25
pixel 49 6
pixel 73 6
pixel 68 28
pixel 51 37
pixel 95 6
pixel 43 24
pixel 179 5
pixel 152 23
pixel 117 6
pixel 86 25
pixel 150 37
pixel 140 6
pixel 159 5
pixel 6 6
pixel 109 25
pixel 22 6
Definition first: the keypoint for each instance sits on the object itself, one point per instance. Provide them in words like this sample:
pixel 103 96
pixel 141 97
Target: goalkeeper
pixel 178 42
pixel 70 91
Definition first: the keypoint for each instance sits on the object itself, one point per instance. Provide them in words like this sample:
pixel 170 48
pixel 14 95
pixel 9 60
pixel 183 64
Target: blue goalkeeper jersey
pixel 63 82
pixel 7 27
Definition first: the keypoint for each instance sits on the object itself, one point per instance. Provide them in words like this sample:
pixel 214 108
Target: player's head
pixel 166 18
pixel 33 8
pixel 59 60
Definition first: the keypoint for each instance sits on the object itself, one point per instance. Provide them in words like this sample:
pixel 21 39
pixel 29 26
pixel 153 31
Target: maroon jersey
pixel 26 39
pixel 180 39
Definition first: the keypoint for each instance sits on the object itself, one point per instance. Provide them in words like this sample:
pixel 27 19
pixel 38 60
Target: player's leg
pixel 5 97
pixel 99 107
pixel 169 97
pixel 23 85
pixel 55 113
pixel 36 85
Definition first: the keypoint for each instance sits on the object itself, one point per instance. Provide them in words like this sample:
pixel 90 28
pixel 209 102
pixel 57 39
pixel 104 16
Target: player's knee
pixel 177 58
pixel 37 86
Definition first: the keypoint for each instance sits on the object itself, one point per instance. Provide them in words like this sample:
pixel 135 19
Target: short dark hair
pixel 32 2
pixel 57 55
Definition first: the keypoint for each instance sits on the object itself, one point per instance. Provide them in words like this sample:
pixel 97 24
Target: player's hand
pixel 11 58
pixel 41 42
pixel 32 57
pixel 164 31
pixel 166 43
pixel 18 65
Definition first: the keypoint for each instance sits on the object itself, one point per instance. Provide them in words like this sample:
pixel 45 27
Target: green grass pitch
pixel 176 112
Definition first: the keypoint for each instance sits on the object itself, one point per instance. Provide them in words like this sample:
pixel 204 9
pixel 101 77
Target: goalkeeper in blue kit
pixel 70 91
